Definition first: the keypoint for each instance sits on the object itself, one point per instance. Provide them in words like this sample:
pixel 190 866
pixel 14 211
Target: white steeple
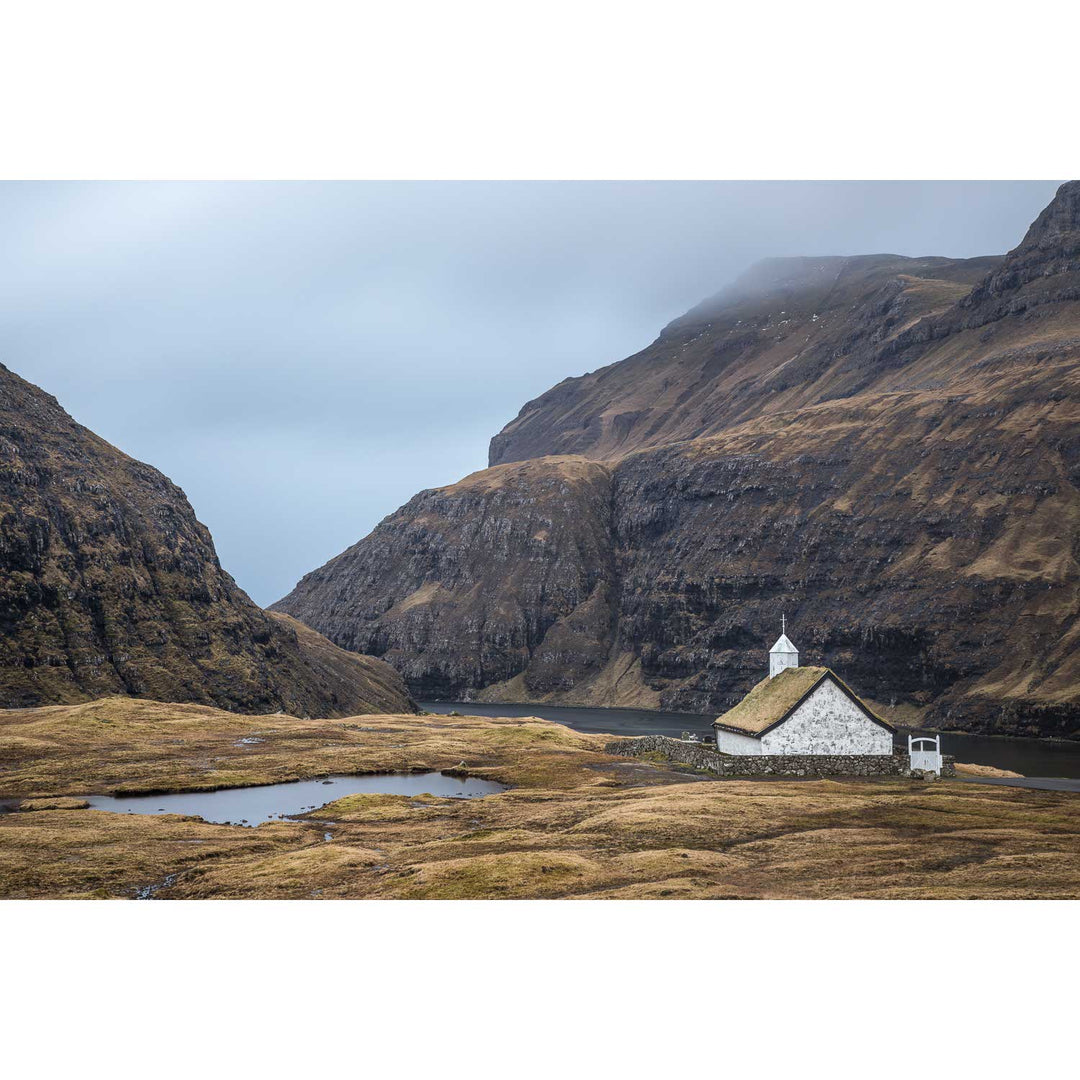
pixel 783 654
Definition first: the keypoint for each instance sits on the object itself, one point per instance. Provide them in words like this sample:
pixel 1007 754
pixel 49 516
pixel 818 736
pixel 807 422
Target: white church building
pixel 801 710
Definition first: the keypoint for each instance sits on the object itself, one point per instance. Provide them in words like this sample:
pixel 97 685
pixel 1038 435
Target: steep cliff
pixel 886 449
pixel 470 584
pixel 109 584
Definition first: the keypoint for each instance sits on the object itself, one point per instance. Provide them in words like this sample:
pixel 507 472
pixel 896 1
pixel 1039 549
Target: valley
pixel 883 449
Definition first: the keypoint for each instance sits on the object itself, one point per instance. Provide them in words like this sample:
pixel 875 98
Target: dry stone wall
pixel 702 756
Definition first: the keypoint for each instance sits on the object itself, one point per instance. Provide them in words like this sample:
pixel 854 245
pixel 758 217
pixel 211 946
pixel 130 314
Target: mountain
pixel 885 449
pixel 109 584
pixel 459 588
pixel 788 334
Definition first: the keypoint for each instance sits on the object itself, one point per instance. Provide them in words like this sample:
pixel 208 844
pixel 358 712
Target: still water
pixel 1032 757
pixel 253 805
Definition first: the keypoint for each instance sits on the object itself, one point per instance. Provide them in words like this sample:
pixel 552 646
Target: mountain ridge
pixel 110 584
pixel 884 449
pixel 788 333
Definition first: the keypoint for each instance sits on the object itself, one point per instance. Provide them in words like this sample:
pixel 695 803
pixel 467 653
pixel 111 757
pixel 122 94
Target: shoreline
pixel 1042 740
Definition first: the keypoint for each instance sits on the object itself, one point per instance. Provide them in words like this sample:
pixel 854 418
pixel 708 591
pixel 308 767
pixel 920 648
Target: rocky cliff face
pixel 885 449
pixel 109 584
pixel 468 585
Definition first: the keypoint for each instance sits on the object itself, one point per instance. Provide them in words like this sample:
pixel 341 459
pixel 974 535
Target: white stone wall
pixel 728 742
pixel 828 722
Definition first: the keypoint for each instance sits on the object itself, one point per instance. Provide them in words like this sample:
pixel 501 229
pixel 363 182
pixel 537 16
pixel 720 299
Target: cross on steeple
pixel 783 654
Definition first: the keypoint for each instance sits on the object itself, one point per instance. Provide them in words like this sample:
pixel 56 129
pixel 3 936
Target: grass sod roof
pixel 773 700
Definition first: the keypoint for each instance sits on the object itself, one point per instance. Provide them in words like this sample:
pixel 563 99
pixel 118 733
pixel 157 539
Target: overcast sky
pixel 302 358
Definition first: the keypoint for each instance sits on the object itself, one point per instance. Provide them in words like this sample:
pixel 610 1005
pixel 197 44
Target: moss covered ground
pixel 575 823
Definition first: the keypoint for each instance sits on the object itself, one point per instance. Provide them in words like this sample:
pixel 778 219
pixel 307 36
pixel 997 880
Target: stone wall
pixel 703 756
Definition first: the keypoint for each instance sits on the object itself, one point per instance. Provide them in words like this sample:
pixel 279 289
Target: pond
pixel 1032 757
pixel 266 802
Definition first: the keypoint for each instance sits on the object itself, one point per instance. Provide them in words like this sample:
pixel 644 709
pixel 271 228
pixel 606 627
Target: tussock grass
pixel 576 822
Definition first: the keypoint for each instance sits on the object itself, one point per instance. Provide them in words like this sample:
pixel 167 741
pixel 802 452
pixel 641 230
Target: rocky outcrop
pixel 1042 269
pixel 887 450
pixel 109 584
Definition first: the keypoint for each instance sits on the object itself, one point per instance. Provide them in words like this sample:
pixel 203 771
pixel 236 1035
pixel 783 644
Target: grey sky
pixel 301 358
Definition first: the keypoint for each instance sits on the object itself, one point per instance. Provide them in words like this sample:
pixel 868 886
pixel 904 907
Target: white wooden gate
pixel 925 752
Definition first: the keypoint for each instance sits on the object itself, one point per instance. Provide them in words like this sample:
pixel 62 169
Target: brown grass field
pixel 576 822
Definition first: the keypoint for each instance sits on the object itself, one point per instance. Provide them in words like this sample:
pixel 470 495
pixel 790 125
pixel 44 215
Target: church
pixel 801 710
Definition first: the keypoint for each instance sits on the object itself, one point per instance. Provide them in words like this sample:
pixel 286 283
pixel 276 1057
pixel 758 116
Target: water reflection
pixel 254 805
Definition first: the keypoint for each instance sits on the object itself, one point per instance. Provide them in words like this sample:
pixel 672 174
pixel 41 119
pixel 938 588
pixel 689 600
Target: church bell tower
pixel 783 654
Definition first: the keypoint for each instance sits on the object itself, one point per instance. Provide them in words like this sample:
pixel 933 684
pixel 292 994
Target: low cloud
pixel 302 358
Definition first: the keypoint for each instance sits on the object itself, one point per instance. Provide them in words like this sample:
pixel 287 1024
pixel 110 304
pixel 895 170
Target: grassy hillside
pixel 109 584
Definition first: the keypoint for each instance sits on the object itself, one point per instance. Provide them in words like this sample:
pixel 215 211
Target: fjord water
pixel 593 721
pixel 1032 757
pixel 254 805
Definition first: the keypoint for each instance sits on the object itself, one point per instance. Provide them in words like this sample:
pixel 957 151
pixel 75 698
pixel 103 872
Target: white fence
pixel 925 752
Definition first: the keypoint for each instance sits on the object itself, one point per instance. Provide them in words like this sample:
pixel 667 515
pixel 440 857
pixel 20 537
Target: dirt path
pixel 1036 783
